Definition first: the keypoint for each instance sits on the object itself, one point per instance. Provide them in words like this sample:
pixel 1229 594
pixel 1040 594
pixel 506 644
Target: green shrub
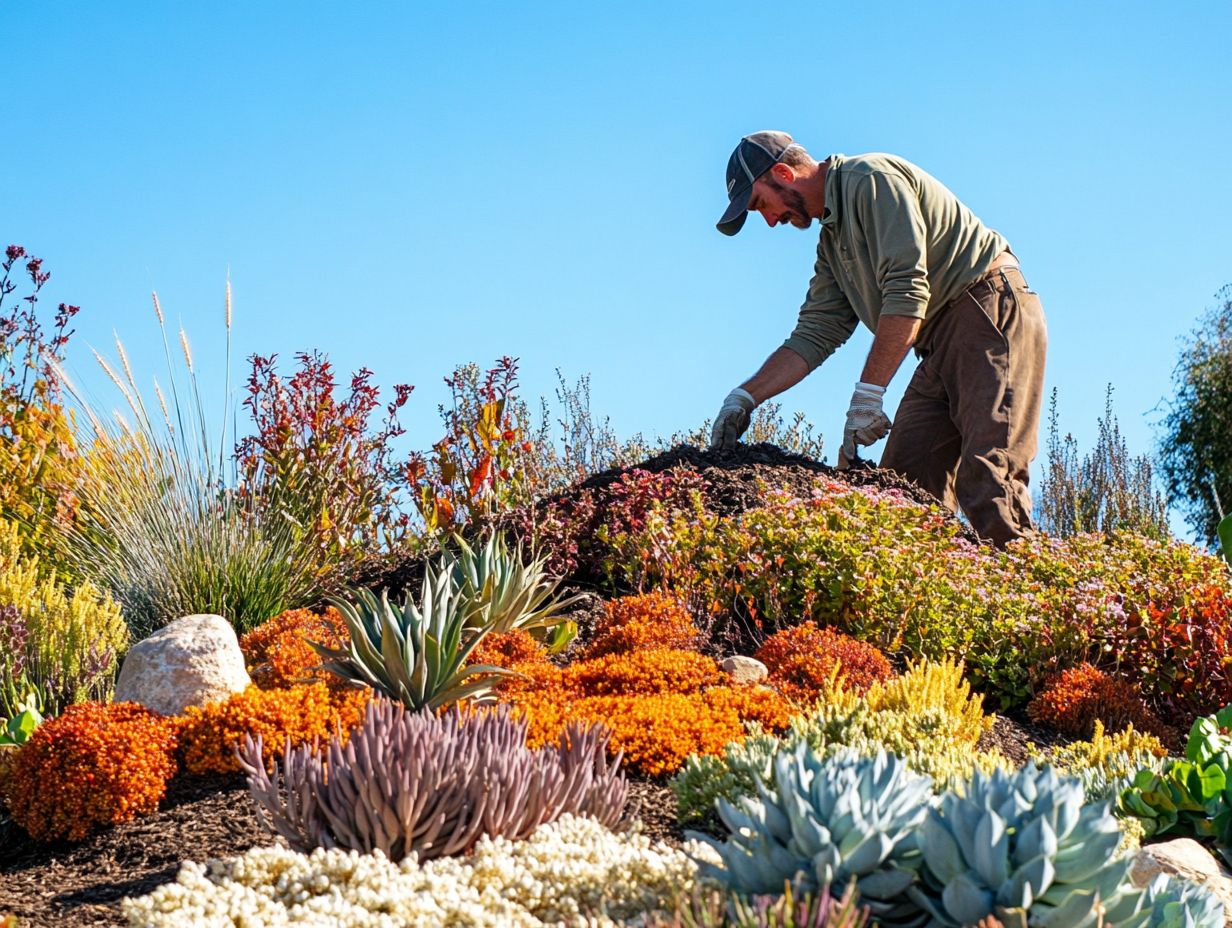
pixel 927 717
pixel 1190 797
pixel 1107 491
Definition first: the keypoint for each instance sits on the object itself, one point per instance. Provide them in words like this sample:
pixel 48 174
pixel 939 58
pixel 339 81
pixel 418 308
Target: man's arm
pixel 782 371
pixel 894 338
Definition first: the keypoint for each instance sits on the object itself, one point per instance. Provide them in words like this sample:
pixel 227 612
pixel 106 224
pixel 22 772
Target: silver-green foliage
pixel 1176 903
pixel 502 592
pixel 432 784
pixel 826 821
pixel 922 737
pixel 715 909
pixel 1025 847
pixel 415 654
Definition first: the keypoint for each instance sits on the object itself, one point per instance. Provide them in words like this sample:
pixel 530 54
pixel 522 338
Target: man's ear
pixel 783 173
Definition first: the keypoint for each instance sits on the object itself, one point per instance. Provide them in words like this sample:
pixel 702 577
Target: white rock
pixel 744 669
pixel 1187 859
pixel 192 661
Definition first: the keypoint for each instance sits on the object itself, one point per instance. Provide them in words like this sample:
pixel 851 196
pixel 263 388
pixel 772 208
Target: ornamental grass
pixel 209 736
pixel 93 766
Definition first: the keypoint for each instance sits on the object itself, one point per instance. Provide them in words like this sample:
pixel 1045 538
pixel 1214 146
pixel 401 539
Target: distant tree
pixel 1104 491
pixel 1196 451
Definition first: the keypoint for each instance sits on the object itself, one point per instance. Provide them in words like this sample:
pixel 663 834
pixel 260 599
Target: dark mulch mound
pixel 733 477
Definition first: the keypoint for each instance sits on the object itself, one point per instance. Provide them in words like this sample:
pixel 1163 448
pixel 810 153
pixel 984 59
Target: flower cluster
pixel 278 654
pixel 315 457
pixel 657 731
pixel 94 765
pixel 509 649
pixel 586 531
pixel 801 661
pixel 657 670
pixel 650 620
pixel 209 735
pixel 572 872
pixel 1074 701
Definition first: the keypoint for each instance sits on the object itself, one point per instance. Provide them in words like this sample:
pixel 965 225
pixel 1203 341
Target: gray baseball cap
pixel 753 157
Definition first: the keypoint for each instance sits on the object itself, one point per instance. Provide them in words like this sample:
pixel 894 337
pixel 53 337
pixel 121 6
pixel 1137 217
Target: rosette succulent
pixel 1180 904
pixel 1027 849
pixel 825 822
pixel 415 654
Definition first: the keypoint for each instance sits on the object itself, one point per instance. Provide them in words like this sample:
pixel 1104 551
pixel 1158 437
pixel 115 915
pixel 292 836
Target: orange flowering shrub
pixel 94 765
pixel 802 658
pixel 635 622
pixel 1074 699
pixel 657 731
pixel 278 654
pixel 505 649
pixel 209 735
pixel 657 670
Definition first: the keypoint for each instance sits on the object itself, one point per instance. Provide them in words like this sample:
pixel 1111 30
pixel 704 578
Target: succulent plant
pixel 431 784
pixel 502 592
pixel 715 909
pixel 416 654
pixel 1175 903
pixel 1024 847
pixel 826 822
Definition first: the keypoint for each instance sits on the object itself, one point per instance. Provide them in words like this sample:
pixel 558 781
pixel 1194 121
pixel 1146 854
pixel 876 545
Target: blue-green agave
pixel 415 654
pixel 825 822
pixel 1025 848
pixel 1180 904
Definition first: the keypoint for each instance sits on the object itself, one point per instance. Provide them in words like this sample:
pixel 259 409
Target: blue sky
pixel 410 186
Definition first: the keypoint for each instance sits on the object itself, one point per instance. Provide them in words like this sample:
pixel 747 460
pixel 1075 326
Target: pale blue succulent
pixel 1180 904
pixel 824 822
pixel 1026 848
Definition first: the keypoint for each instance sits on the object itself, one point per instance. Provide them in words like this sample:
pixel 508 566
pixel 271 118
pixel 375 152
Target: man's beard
pixel 794 201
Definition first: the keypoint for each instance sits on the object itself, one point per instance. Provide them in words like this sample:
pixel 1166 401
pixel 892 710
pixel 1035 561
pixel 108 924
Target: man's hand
pixel 732 420
pixel 866 421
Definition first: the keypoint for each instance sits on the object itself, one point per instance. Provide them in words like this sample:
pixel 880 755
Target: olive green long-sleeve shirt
pixel 894 241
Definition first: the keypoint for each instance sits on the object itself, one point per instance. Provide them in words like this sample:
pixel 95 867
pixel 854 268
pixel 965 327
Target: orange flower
pixel 801 660
pixel 93 765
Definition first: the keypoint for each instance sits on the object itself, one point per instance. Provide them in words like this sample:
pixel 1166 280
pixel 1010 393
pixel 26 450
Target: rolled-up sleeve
pixel 826 318
pixel 889 212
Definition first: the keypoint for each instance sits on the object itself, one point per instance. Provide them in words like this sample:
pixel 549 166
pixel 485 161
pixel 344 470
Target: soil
pixel 73 885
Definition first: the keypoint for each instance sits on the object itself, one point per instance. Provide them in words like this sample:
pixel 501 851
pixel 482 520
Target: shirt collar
pixel 832 191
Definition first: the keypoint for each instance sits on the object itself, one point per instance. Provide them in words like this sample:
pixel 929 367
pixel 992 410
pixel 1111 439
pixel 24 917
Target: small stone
pixel 743 669
pixel 191 662
pixel 1187 859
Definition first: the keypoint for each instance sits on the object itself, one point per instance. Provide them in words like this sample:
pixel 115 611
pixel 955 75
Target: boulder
pixel 192 661
pixel 1187 859
pixel 743 669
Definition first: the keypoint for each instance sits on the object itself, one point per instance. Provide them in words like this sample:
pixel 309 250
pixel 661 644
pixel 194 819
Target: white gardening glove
pixel 866 421
pixel 732 420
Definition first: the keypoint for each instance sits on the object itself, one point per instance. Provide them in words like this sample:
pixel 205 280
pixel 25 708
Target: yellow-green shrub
pixel 928 717
pixel 65 646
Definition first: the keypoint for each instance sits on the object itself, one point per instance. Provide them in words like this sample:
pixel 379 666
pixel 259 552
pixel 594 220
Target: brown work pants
pixel 967 427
